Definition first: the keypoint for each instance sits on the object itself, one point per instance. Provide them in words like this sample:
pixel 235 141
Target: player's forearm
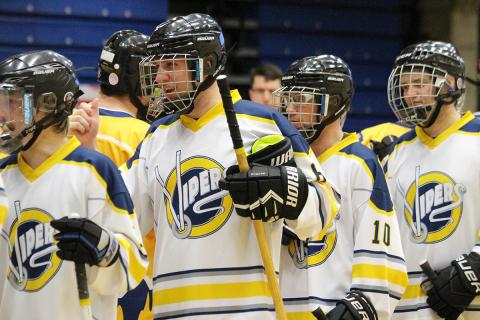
pixel 125 274
pixel 318 212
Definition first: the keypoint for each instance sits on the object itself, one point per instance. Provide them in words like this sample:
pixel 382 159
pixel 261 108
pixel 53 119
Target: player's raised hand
pixel 83 123
pixel 82 240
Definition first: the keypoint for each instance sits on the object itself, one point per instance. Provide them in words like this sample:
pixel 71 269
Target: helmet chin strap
pixel 327 121
pixel 208 82
pixel 439 102
pixel 49 120
pixel 141 109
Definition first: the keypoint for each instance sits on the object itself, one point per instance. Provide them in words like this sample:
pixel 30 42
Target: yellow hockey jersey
pixel 434 183
pixel 380 131
pixel 38 284
pixel 362 250
pixel 207 262
pixel 119 134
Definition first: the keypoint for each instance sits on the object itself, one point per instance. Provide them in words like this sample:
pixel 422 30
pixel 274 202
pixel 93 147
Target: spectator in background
pixel 264 79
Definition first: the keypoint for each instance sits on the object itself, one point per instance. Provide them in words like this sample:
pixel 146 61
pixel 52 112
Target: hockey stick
pixel 243 166
pixel 82 286
pixel 431 275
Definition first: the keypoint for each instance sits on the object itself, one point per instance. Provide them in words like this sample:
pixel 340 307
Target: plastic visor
pixel 304 107
pixel 170 82
pixel 16 113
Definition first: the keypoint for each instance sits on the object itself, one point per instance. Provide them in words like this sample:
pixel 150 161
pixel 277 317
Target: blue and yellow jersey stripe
pixel 380 199
pixel 108 175
pixel 164 122
pixel 254 111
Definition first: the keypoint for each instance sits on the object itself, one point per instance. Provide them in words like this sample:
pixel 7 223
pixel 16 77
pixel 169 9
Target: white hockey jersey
pixel 3 218
pixel 38 285
pixel 362 250
pixel 435 184
pixel 207 261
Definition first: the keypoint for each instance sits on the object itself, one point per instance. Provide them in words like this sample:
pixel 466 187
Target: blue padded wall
pixel 366 34
pixel 76 29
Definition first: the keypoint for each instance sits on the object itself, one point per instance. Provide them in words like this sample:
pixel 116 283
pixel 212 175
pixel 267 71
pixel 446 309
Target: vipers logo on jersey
pixel 314 252
pixel 33 262
pixel 196 206
pixel 433 206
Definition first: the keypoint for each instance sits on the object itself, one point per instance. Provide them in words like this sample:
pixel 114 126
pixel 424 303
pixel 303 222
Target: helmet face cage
pixel 414 91
pixel 170 83
pixel 304 107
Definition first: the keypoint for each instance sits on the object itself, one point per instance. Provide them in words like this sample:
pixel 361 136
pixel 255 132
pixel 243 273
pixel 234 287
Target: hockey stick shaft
pixel 82 287
pixel 243 166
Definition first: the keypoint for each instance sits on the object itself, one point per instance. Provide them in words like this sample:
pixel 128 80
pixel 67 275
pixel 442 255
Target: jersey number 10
pixel 386 233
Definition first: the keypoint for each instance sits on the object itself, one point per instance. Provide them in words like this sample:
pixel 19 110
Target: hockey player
pixel 122 126
pixel 207 263
pixel 120 102
pixel 433 179
pixel 49 177
pixel 356 270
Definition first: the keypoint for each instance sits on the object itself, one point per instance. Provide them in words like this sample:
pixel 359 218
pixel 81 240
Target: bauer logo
pixel 33 262
pixel 205 38
pixel 195 205
pixel 433 206
pixel 315 252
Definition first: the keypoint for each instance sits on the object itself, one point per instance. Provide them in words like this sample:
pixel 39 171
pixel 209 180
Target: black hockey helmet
pixel 427 64
pixel 118 65
pixel 315 91
pixel 196 38
pixel 31 82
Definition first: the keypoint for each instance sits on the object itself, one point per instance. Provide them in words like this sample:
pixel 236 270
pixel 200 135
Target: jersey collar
pixel 212 113
pixel 434 142
pixel 33 174
pixel 345 142
pixel 102 111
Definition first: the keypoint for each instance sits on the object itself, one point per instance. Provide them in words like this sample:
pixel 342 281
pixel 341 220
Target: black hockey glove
pixel 355 306
pixel 385 147
pixel 454 287
pixel 265 192
pixel 82 240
